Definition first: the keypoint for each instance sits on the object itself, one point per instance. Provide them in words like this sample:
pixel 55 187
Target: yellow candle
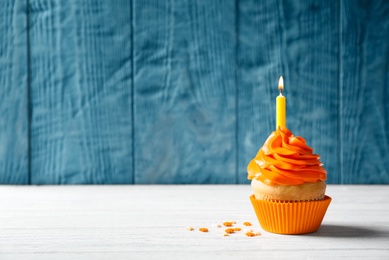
pixel 280 106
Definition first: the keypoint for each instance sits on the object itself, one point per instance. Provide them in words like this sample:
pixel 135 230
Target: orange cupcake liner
pixel 290 217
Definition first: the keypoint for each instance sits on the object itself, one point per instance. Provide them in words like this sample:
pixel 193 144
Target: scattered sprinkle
pixel 229 230
pixel 203 229
pixel 248 231
pixel 251 233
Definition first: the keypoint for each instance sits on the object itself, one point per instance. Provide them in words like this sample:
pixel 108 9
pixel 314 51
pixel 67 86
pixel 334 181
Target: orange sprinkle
pixel 203 229
pixel 227 224
pixel 250 234
pixel 247 223
pixel 229 230
pixel 237 229
pixel 189 228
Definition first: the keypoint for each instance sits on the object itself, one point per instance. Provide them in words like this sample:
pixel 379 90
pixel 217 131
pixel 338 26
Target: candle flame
pixel 281 84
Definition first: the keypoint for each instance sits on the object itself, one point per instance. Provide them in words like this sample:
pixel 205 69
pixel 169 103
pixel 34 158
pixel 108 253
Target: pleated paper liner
pixel 290 217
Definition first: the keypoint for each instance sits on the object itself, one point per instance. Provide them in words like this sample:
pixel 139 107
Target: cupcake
pixel 289 187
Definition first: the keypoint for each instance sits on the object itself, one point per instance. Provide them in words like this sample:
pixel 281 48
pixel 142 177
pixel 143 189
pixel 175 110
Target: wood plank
pixel 298 40
pixel 148 222
pixel 364 92
pixel 14 154
pixel 185 92
pixel 81 92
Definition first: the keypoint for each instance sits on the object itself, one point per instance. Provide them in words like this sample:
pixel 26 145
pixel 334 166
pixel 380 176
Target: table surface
pixel 149 222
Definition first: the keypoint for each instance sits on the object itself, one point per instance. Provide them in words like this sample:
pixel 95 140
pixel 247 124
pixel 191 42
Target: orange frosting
pixel 286 159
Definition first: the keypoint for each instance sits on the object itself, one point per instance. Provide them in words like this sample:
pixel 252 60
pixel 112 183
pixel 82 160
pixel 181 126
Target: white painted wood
pixel 148 222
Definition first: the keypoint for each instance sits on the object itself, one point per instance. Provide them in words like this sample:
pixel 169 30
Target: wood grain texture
pixel 184 83
pixel 148 222
pixel 81 92
pixel 201 100
pixel 312 62
pixel 365 91
pixel 13 93
pixel 260 59
pixel 298 40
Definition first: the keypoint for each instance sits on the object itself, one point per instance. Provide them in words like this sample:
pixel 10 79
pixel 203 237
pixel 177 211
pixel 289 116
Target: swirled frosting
pixel 286 159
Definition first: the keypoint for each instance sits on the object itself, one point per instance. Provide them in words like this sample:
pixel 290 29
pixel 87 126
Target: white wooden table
pixel 148 222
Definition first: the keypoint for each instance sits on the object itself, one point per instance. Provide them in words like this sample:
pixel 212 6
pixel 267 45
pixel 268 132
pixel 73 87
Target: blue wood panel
pixel 312 63
pixel 365 92
pixel 299 40
pixel 99 92
pixel 81 92
pixel 13 93
pixel 260 64
pixel 185 92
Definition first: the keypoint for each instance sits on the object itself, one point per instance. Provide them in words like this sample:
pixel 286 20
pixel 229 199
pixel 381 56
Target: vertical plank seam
pixel 29 103
pixel 236 91
pixel 133 92
pixel 340 96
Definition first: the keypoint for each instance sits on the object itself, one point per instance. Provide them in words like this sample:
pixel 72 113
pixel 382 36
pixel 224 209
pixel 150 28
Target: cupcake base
pixel 290 217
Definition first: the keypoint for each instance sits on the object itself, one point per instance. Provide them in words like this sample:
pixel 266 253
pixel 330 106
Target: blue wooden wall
pixel 149 91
